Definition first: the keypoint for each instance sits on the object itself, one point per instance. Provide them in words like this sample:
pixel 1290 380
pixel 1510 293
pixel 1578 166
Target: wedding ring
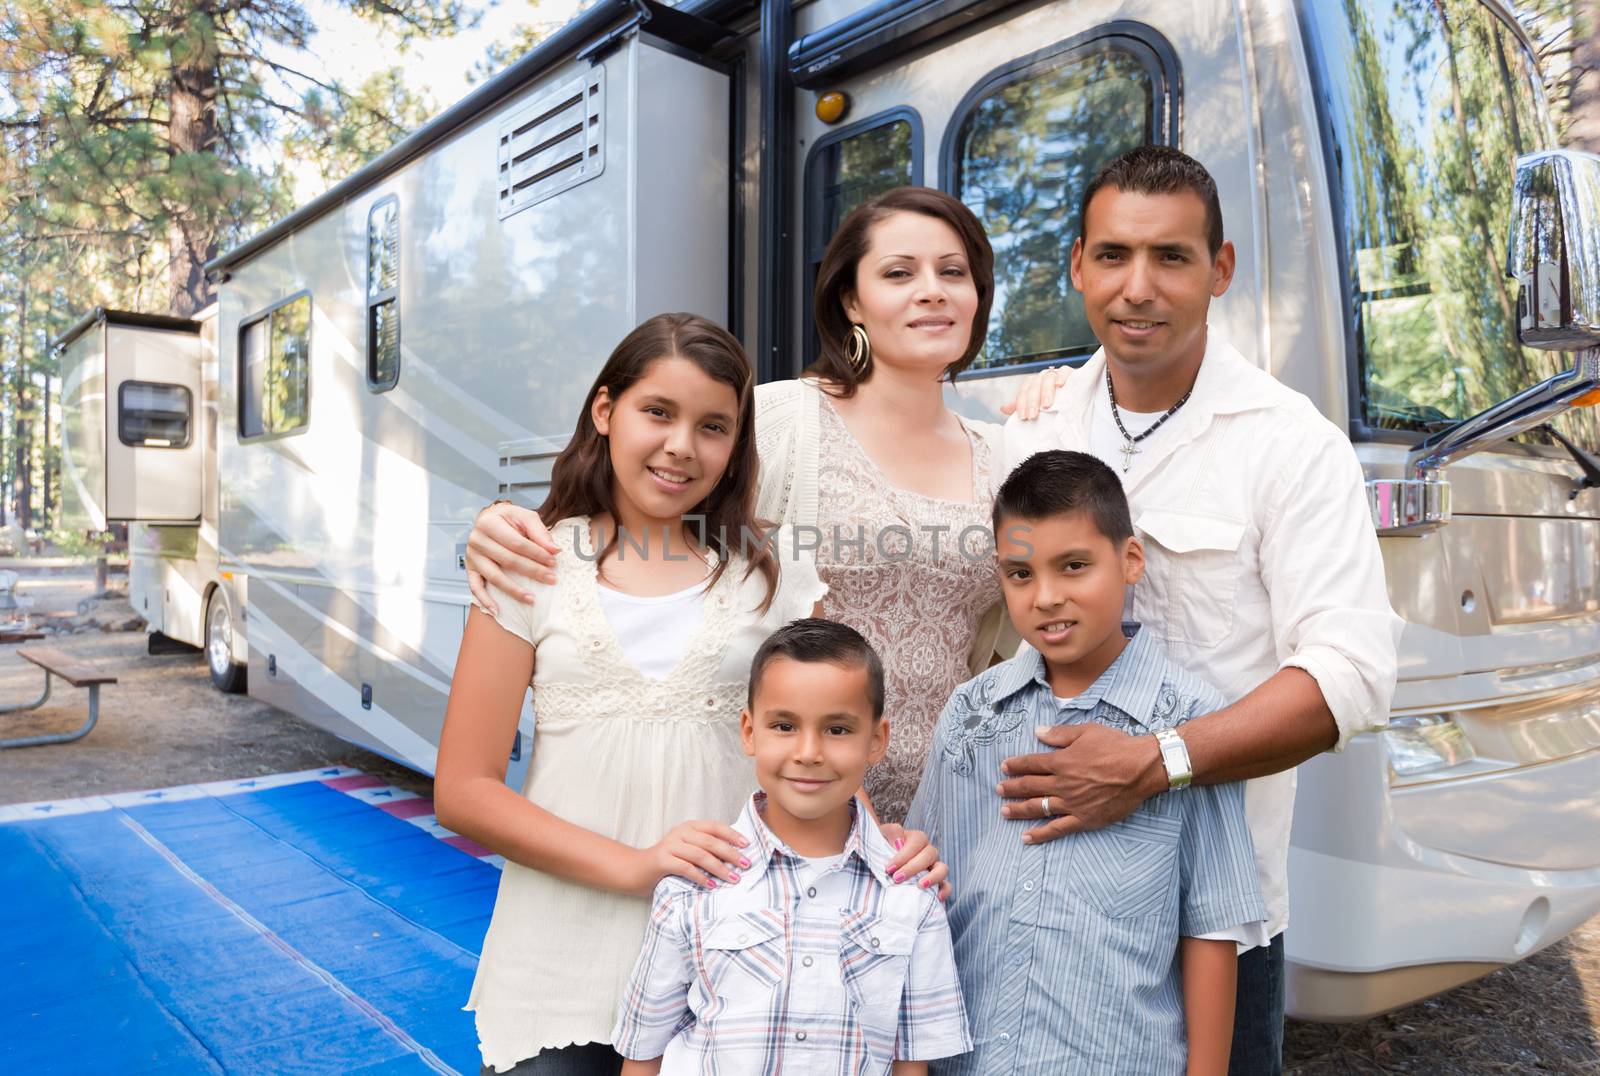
pixel 1044 805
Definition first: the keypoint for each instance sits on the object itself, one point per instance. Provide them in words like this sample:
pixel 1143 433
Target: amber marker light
pixel 832 106
pixel 1588 399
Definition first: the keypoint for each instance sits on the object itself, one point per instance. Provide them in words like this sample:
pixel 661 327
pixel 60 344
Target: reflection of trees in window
pixel 275 370
pixel 1026 152
pixel 860 167
pixel 288 367
pixel 1440 103
pixel 383 294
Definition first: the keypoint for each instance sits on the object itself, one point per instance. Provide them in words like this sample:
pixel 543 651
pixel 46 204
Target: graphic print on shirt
pixel 983 724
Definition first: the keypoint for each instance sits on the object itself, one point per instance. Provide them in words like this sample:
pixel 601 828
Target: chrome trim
pixel 1553 252
pixel 1408 505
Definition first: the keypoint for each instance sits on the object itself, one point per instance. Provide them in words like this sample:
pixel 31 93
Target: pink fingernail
pixel 711 883
pixel 899 842
pixel 924 883
pixel 735 877
pixel 899 876
pixel 743 862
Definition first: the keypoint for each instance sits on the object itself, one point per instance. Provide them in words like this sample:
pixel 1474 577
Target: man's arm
pixel 1210 973
pixel 1101 775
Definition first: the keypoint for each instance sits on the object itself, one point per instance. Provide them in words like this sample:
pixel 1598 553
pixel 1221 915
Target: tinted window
pixel 858 167
pixel 275 370
pixel 383 294
pixel 153 415
pixel 1025 150
pixel 847 170
pixel 1430 105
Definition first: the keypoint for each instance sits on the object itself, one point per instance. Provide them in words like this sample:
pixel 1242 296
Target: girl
pixel 865 448
pixel 638 657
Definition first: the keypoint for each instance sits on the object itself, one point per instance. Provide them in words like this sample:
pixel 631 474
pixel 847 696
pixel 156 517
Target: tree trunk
pixel 192 129
pixel 23 480
pixel 1585 130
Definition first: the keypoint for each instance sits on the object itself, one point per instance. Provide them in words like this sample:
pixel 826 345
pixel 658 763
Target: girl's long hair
pixel 582 478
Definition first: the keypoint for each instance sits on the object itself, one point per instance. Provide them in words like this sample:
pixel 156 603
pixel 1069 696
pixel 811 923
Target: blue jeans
pixel 1258 1013
pixel 589 1059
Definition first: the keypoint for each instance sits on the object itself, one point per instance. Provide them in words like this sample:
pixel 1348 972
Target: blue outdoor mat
pixel 317 922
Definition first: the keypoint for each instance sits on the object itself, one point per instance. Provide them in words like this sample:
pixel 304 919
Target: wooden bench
pixel 75 671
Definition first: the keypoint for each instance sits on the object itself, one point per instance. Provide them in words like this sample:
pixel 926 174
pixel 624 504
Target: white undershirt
pixel 1245 935
pixel 654 632
pixel 1106 441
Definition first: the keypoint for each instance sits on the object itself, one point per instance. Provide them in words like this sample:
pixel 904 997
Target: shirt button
pixel 800 1036
pixel 1027 887
pixel 1019 957
pixel 806 961
pixel 743 938
pixel 812 891
pixel 1005 1037
pixel 875 943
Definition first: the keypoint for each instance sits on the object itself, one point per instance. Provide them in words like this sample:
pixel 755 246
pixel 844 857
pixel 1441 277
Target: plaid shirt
pixel 838 972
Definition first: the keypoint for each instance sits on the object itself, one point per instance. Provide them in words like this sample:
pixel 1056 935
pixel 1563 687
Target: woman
pixel 895 486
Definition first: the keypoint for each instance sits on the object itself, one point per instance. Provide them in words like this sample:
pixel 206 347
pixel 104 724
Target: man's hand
pixel 1037 393
pixel 1096 777
pixel 508 538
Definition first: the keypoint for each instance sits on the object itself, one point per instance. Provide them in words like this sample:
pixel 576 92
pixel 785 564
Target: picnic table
pixel 75 671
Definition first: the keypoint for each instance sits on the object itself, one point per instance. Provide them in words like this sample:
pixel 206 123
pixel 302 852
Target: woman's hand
pixel 916 854
pixel 700 852
pixel 508 538
pixel 1037 393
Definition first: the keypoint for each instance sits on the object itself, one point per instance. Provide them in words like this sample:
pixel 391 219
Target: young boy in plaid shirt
pixel 814 960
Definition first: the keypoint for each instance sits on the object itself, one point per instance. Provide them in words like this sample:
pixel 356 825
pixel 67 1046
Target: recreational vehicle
pixel 304 461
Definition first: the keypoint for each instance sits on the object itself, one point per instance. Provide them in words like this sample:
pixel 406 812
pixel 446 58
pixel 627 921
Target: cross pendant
pixel 1129 450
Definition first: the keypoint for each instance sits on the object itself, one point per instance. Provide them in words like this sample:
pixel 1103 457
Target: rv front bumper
pixel 1397 893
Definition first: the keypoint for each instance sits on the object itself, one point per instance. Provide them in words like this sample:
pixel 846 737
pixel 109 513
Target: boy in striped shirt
pixel 1111 950
pixel 814 960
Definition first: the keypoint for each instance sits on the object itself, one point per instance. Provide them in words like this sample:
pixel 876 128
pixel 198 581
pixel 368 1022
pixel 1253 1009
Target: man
pixel 1263 570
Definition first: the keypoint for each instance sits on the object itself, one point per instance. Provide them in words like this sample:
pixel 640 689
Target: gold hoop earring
pixel 858 351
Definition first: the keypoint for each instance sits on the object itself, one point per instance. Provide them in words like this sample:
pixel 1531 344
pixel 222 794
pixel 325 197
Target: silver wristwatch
pixel 1175 757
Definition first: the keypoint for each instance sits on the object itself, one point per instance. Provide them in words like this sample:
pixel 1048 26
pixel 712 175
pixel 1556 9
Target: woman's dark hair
pixel 836 276
pixel 581 479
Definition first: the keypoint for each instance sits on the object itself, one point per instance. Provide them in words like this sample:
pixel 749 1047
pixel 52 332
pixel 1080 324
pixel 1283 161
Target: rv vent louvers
pixel 554 143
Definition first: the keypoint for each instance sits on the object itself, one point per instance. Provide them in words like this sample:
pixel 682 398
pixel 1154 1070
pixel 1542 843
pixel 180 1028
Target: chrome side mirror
pixel 1554 249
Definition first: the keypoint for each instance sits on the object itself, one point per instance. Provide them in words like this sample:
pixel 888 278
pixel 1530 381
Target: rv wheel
pixel 226 674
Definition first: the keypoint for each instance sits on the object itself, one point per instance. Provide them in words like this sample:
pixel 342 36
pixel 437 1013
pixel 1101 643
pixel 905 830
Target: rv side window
pixel 846 168
pixel 275 370
pixel 1429 106
pixel 151 415
pixel 1026 143
pixel 383 294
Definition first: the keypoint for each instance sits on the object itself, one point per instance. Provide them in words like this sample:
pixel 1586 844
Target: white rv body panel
pixel 349 530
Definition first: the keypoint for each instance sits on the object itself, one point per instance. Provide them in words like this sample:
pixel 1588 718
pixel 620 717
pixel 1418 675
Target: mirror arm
pixel 1589 465
pixel 1506 419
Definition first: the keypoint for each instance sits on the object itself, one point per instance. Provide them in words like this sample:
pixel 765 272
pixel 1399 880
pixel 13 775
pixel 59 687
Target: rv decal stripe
pixel 388 1026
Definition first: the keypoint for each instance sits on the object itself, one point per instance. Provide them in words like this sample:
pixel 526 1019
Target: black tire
pixel 227 675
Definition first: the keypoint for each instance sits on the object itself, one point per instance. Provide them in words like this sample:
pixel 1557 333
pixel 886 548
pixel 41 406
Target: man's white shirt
pixel 1260 552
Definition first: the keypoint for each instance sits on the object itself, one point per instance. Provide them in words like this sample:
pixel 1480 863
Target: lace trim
pixel 580 605
pixel 561 705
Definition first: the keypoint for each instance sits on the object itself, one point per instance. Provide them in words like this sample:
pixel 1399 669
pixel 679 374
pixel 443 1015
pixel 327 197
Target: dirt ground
pixel 163 724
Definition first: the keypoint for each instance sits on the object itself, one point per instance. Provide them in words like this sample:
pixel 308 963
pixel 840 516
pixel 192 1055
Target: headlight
pixel 1424 744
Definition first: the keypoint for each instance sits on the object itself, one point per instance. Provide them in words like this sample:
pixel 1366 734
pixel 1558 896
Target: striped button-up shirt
pixel 1068 951
pixel 828 968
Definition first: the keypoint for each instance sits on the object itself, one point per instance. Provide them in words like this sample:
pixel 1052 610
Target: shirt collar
pixel 1222 387
pixel 865 842
pixel 1130 683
